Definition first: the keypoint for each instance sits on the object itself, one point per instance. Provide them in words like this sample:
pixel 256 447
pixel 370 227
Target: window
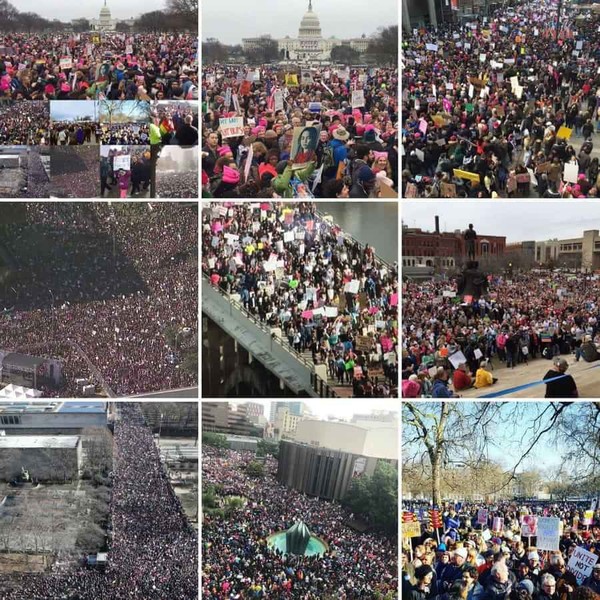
pixel 10 420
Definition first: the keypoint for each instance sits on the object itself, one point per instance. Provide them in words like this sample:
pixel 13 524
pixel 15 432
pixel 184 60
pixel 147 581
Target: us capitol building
pixel 105 22
pixel 309 46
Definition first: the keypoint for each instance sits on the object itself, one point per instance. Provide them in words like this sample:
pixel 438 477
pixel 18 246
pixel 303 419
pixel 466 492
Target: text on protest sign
pixel 358 98
pixel 581 564
pixel 231 126
pixel 65 63
pixel 412 529
pixel 122 162
pixel 548 533
pixel 528 526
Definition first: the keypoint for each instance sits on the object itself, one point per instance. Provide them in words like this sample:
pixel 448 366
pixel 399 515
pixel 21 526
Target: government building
pixel 105 22
pixel 310 46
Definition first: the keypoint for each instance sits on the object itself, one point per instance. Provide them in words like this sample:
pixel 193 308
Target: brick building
pixel 445 250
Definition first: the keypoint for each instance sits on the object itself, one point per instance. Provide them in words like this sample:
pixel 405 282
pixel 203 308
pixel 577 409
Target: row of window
pixel 10 420
pixel 413 262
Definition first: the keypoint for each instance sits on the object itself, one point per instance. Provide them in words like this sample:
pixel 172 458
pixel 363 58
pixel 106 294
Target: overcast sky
pixel 66 10
pixel 339 409
pixel 518 221
pixel 66 110
pixel 231 21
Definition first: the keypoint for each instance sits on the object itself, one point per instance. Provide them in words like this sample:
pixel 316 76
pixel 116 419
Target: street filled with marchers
pixel 108 285
pixel 501 107
pixel 328 294
pixel 237 563
pixel 501 551
pixel 530 317
pixel 253 113
pixel 152 548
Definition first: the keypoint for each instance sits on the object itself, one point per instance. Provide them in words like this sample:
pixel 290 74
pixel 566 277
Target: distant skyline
pixel 338 18
pixel 340 409
pixel 67 10
pixel 519 221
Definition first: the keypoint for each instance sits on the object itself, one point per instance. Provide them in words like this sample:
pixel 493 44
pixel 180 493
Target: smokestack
pixel 437 224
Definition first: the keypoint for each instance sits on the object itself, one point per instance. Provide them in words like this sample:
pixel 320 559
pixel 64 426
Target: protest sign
pixel 248 162
pixel 588 517
pixel 457 358
pixel 482 515
pixel 358 98
pixel 564 132
pixel 363 342
pixel 528 526
pixel 304 146
pixel 466 175
pixel 352 286
pixel 331 311
pixel 498 524
pixel 448 190
pixel 548 533
pixel 448 294
pixel 231 127
pixel 581 564
pixel 278 100
pixel 431 47
pixel 411 529
pixel 291 79
pixel 570 172
pixel 66 63
pixel 122 162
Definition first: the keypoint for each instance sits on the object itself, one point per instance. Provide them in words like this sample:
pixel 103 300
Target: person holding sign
pixel 304 145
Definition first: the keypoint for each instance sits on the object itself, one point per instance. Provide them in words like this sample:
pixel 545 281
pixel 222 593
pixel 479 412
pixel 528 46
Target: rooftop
pixel 38 441
pixel 52 407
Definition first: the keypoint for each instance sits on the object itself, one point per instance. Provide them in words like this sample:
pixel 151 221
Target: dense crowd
pixel 101 283
pixel 125 134
pixel 24 123
pixel 75 134
pixel 177 123
pixel 287 264
pixel 237 562
pixel 177 185
pixel 115 66
pixel 153 550
pixel 530 316
pixel 505 103
pixel 75 171
pixel 492 558
pixel 356 154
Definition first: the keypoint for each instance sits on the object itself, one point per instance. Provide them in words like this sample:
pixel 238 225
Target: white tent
pixel 18 392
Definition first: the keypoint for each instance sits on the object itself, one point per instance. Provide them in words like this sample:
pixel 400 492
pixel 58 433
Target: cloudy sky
pixel 65 10
pixel 230 21
pixel 67 110
pixel 518 221
pixel 341 410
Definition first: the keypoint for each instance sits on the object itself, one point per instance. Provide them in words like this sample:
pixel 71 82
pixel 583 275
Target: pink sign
pixel 394 299
pixel 217 226
pixel 307 314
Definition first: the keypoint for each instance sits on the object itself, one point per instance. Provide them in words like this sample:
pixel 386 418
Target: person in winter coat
pixel 499 585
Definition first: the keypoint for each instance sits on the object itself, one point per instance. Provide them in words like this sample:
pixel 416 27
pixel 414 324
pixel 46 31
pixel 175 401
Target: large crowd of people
pixel 238 563
pixel 501 107
pixel 152 549
pixel 24 123
pixel 98 287
pixel 492 558
pixel 115 66
pixel 124 134
pixel 75 171
pixel 356 154
pixel 173 184
pixel 328 294
pixel 532 315
pixel 75 134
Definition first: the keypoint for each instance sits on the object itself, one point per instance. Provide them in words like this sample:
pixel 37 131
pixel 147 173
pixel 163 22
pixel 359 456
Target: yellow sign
pixel 439 120
pixel 95 39
pixel 564 132
pixel 412 529
pixel 291 79
pixel 466 175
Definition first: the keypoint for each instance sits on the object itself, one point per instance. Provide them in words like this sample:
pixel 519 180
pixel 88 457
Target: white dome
pixel 310 26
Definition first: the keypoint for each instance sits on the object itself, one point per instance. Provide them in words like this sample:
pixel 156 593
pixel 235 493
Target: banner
pixel 231 126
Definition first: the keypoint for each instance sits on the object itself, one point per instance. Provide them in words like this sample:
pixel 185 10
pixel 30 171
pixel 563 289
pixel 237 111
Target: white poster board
pixel 548 533
pixel 581 564
pixel 122 162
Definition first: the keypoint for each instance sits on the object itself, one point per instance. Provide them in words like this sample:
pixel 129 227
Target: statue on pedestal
pixel 297 538
pixel 470 238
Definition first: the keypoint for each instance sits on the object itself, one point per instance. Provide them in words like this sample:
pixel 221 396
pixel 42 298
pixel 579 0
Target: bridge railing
pixel 322 388
pixel 233 303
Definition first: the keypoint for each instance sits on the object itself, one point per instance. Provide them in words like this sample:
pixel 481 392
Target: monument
pixel 297 538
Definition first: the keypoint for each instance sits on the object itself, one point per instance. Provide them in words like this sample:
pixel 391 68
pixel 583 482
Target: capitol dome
pixel 105 11
pixel 310 26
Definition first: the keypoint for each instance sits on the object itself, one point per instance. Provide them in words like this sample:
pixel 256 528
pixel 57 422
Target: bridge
pixel 288 373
